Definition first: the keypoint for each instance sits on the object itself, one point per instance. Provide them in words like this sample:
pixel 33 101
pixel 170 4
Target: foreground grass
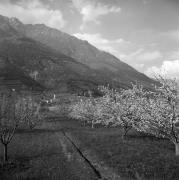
pixel 38 155
pixel 138 155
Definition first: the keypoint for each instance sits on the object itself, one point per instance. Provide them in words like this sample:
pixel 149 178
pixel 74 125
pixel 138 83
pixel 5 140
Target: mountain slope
pixel 54 70
pixel 85 53
pixel 60 61
pixel 10 73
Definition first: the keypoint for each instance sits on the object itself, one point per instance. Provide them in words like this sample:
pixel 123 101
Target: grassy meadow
pixel 139 156
pixel 42 154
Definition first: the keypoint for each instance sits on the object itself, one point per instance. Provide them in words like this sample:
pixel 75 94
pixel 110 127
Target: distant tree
pixel 87 110
pixel 33 117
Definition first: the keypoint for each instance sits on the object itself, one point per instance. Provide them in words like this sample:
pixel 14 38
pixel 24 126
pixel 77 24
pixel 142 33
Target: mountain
pixel 54 70
pixel 87 54
pixel 51 69
pixel 62 62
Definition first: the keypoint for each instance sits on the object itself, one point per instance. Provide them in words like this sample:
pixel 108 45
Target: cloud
pixel 169 68
pixel 173 34
pixel 146 1
pixel 143 56
pixel 32 12
pixel 149 56
pixel 173 55
pixel 91 10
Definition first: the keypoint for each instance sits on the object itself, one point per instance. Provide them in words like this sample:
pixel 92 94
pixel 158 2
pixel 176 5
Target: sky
pixel 142 33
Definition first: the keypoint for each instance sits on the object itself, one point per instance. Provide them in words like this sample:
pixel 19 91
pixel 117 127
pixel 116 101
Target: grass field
pixel 139 155
pixel 37 154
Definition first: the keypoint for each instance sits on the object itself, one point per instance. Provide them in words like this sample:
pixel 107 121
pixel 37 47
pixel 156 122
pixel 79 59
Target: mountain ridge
pixel 82 51
pixel 62 58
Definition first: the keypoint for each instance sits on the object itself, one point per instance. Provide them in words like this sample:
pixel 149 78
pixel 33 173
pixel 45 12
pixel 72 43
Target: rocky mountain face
pixel 62 62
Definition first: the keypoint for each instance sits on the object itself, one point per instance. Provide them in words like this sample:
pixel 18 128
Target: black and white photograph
pixel 89 89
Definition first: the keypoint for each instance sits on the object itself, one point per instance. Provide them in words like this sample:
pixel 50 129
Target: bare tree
pixel 14 110
pixel 9 119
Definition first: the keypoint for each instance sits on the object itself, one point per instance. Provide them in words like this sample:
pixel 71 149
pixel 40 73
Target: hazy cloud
pixel 149 56
pixel 91 10
pixel 144 56
pixel 174 55
pixel 33 11
pixel 174 35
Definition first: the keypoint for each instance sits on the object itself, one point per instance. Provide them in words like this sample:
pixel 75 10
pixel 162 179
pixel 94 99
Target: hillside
pixel 54 70
pixel 62 62
pixel 87 54
pixel 9 74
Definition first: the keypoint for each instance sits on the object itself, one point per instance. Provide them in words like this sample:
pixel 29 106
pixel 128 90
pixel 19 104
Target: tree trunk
pixel 125 132
pixel 5 153
pixel 92 125
pixel 177 149
pixel 124 135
